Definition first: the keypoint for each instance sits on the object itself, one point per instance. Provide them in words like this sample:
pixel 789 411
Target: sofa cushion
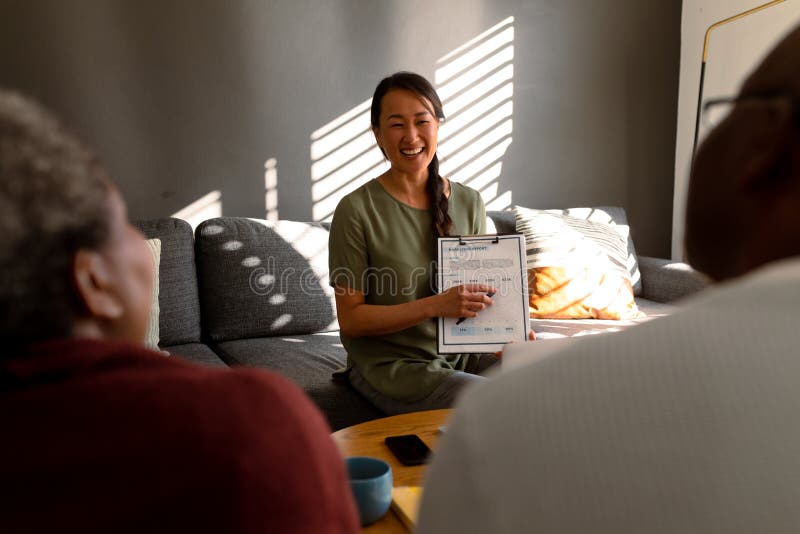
pixel 309 361
pixel 196 353
pixel 503 222
pixel 263 278
pixel 563 328
pixel 178 302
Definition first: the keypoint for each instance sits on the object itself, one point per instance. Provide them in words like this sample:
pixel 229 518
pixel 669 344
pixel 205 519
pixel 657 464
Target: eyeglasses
pixel 716 110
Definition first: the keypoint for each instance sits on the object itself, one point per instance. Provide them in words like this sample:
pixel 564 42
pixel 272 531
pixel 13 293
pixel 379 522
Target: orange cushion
pixel 582 293
pixel 577 268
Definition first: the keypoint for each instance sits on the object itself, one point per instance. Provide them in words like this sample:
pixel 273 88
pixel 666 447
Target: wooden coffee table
pixel 366 439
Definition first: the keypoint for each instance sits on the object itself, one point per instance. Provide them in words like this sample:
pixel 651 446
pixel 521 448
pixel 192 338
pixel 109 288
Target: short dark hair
pixel 421 87
pixel 53 202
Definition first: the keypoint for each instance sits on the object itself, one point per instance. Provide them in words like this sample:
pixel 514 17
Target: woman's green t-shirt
pixel 386 249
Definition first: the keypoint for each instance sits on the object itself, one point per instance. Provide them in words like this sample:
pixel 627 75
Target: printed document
pixel 497 261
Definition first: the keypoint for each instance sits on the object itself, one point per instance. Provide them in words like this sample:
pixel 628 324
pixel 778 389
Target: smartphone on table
pixel 409 449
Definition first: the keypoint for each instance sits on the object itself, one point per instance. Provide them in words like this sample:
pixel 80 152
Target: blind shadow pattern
pixel 476 84
pixel 206 207
pixel 271 189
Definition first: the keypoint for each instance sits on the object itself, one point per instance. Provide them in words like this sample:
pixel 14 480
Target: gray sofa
pixel 246 292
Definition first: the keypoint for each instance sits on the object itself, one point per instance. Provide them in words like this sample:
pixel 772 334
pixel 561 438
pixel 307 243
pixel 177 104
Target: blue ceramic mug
pixel 371 482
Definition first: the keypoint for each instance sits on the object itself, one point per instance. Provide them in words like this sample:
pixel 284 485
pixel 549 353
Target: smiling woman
pixel 407 135
pixel 405 117
pixel 382 245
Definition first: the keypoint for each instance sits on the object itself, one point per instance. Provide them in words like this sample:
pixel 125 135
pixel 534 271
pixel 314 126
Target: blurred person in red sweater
pixel 99 433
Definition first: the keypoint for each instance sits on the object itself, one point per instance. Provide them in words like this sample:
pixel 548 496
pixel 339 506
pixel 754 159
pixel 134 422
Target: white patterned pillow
pixel 151 338
pixel 577 268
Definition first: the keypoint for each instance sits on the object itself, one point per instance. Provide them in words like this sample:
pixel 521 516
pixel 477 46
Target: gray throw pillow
pixel 262 278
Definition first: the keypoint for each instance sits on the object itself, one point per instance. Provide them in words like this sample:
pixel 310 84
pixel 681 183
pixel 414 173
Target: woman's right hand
pixel 465 300
pixel 356 318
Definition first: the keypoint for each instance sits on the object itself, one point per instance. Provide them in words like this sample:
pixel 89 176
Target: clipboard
pixel 496 260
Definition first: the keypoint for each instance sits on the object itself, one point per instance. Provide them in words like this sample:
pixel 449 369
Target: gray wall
pixel 734 50
pixel 184 97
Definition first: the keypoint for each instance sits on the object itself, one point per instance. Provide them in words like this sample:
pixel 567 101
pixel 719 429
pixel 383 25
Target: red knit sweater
pixel 109 437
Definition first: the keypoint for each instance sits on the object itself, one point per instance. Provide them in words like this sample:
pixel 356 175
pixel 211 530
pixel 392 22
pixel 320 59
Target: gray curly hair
pixel 53 202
